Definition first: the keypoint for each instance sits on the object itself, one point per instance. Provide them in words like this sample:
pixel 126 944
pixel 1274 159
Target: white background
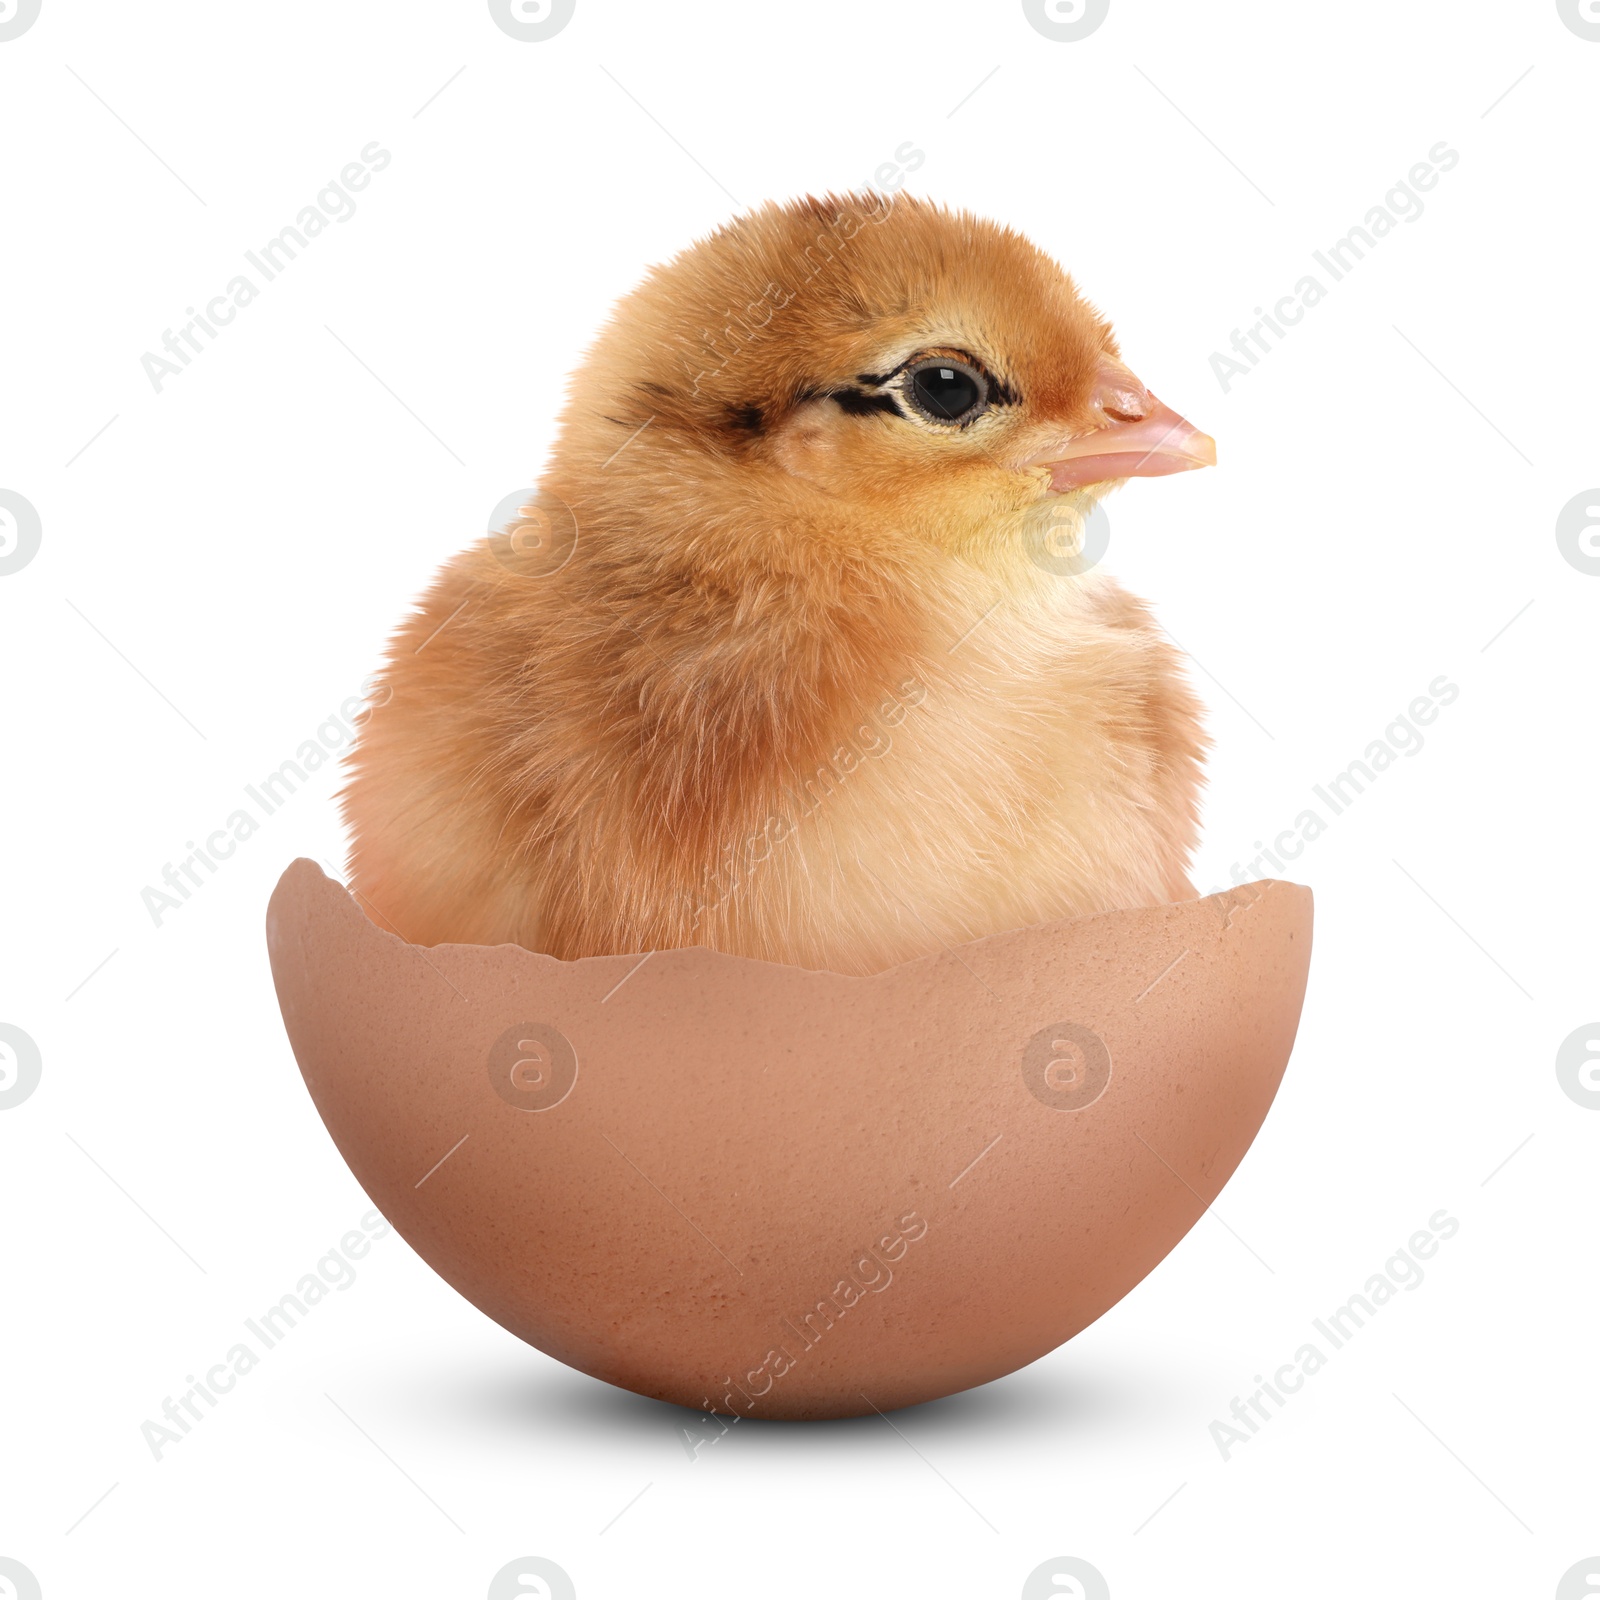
pixel 219 568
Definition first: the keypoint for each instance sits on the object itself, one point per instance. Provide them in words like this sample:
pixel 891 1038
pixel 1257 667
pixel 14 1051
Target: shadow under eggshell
pixel 748 1187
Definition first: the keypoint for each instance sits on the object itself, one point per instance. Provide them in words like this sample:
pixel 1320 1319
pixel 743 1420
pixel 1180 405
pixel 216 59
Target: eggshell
pixel 753 1188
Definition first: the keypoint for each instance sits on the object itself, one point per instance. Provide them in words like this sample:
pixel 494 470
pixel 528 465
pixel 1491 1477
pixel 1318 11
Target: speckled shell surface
pixel 752 1188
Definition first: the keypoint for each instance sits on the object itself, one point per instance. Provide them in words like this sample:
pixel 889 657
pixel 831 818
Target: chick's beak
pixel 1133 435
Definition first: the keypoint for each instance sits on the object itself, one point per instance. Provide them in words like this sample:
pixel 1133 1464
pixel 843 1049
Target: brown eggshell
pixel 749 1187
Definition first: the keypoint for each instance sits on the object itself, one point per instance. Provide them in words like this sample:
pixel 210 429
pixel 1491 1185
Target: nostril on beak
pixel 1129 434
pixel 1120 398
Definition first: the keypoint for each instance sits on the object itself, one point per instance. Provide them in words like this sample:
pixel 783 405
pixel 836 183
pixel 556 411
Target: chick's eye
pixel 946 390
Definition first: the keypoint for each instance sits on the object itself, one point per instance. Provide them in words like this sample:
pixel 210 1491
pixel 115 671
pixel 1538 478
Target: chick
pixel 790 657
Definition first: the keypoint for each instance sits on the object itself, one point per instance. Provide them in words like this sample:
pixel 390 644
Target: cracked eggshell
pixel 752 1188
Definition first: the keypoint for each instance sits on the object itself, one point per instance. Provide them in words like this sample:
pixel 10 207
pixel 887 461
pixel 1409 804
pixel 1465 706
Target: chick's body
pixel 786 658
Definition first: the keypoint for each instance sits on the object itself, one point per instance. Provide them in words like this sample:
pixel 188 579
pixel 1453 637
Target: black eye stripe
pixel 858 404
pixel 948 401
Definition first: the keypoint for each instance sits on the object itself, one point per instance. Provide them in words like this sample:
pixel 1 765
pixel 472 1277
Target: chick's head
pixel 864 363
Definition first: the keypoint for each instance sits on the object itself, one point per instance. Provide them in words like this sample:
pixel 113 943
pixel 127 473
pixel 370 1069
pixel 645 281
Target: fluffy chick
pixel 790 656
